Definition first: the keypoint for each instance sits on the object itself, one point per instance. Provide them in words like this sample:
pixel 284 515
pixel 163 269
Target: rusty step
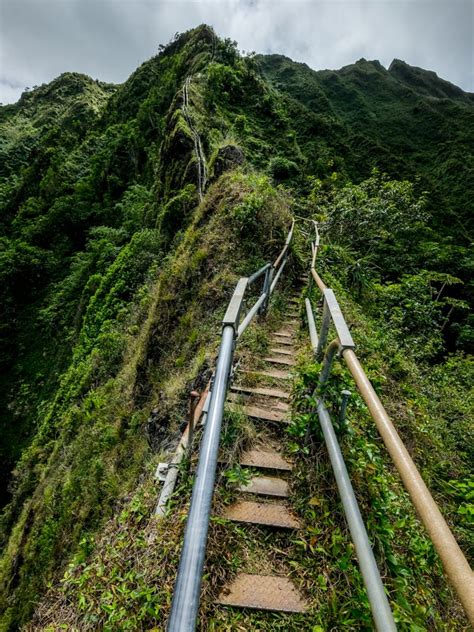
pixel 273 373
pixel 265 459
pixel 284 333
pixel 269 392
pixel 282 351
pixel 260 413
pixel 266 486
pixel 263 592
pixel 269 514
pixel 285 361
pixel 269 405
pixel 277 340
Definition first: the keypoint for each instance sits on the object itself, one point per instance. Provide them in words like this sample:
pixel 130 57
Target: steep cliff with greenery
pixel 127 214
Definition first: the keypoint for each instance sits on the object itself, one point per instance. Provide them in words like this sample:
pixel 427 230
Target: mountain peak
pixel 426 82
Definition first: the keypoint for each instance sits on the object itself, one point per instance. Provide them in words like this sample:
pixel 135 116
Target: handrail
pixel 379 605
pixel 454 562
pixel 185 604
pixel 285 247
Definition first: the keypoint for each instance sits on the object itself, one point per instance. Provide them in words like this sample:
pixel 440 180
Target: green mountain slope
pixel 126 215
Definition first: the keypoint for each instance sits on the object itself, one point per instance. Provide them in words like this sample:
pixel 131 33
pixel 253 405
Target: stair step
pixel 263 592
pixel 265 459
pixel 285 361
pixel 270 405
pixel 277 340
pixel 284 333
pixel 261 413
pixel 269 392
pixel 266 486
pixel 282 350
pixel 269 514
pixel 273 373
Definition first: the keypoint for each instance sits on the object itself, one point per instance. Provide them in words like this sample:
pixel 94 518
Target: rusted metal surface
pixel 268 392
pixel 277 405
pixel 286 361
pixel 280 340
pixel 266 486
pixel 273 373
pixel 268 514
pixel 265 459
pixel 456 566
pixel 172 471
pixel 284 333
pixel 261 413
pixel 263 592
pixel 193 401
pixel 282 351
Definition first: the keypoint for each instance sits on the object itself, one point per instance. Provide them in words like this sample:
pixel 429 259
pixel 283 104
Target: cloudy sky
pixel 108 39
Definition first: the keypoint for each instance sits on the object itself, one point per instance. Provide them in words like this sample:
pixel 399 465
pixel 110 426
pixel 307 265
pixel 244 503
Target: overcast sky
pixel 108 39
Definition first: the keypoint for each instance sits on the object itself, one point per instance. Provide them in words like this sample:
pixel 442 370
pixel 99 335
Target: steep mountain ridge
pixel 114 273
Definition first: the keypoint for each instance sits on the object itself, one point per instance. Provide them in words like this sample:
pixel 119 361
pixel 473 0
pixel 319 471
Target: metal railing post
pixel 185 605
pixel 266 290
pixel 379 605
pixel 328 359
pixel 311 324
pixel 345 394
pixel 323 334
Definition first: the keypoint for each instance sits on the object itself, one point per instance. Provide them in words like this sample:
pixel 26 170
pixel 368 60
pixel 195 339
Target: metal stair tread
pixel 261 390
pixel 273 373
pixel 265 459
pixel 260 413
pixel 282 341
pixel 263 592
pixel 286 361
pixel 282 351
pixel 269 514
pixel 245 399
pixel 266 486
pixel 284 333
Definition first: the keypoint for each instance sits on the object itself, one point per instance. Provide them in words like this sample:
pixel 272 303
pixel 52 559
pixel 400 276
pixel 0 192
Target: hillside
pixel 127 215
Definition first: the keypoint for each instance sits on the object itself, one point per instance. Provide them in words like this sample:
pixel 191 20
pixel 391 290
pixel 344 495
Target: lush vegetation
pixel 113 277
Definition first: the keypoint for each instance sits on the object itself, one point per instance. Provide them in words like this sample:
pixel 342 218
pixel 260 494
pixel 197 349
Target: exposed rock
pixel 228 157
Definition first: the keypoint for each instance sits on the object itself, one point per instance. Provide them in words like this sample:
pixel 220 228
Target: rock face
pixel 228 157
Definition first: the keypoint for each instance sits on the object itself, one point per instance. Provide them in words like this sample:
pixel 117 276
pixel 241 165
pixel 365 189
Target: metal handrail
pixel 454 562
pixel 185 604
pixel 379 605
pixel 378 601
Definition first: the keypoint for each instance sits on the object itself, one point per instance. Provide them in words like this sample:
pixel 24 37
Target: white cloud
pixel 108 39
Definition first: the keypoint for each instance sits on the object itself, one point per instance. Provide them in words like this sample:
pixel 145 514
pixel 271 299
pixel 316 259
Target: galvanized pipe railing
pixel 379 605
pixel 454 562
pixel 185 604
pixel 378 601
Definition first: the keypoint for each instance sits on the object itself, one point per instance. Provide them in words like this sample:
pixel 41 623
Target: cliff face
pixel 126 215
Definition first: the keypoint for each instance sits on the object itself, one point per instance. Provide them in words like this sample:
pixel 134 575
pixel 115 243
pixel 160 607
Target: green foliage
pixel 114 277
pixel 282 169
